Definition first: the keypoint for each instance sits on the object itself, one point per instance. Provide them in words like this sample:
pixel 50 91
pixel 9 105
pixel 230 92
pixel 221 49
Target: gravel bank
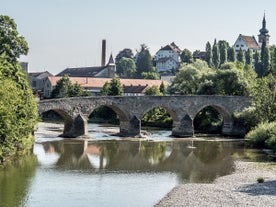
pixel 238 189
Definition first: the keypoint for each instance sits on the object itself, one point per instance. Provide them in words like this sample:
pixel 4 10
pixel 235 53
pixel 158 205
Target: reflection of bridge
pixel 130 110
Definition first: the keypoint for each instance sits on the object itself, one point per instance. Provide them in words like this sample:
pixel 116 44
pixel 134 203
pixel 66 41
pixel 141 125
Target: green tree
pixel 153 91
pixel 18 111
pixel 11 43
pixel 114 88
pixel 127 53
pixel 231 54
pixel 248 57
pixel 126 68
pixel 186 56
pixel 144 61
pixel 63 88
pixel 209 54
pixel 162 88
pixel 240 56
pixel 216 56
pixel 257 63
pixel 151 75
pixel 273 60
pixel 265 59
pixel 223 47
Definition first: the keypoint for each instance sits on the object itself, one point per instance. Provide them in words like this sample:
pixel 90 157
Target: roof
pixel 134 89
pixel 172 47
pixel 88 82
pixel 36 74
pixel 81 72
pixel 250 41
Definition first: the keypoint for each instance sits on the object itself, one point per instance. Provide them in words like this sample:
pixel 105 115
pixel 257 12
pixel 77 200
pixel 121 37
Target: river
pixel 108 170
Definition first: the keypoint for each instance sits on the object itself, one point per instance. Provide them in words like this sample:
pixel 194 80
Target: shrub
pixel 260 179
pixel 264 135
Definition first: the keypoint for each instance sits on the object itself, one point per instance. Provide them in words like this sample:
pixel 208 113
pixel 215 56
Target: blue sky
pixel 68 33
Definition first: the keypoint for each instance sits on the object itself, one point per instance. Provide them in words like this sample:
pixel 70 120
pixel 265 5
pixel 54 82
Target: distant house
pixel 132 87
pixel 249 42
pixel 168 58
pixel 107 71
pixel 200 55
pixel 37 81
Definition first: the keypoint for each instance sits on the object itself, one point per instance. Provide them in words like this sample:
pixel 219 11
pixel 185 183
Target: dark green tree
pixel 231 54
pixel 162 88
pixel 114 88
pixel 209 54
pixel 127 53
pixel 144 61
pixel 186 56
pixel 257 63
pixel 153 91
pixel 151 75
pixel 223 47
pixel 273 60
pixel 11 43
pixel 248 57
pixel 126 68
pixel 265 59
pixel 240 56
pixel 216 56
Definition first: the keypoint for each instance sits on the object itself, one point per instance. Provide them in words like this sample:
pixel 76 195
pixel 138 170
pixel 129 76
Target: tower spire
pixel 264 36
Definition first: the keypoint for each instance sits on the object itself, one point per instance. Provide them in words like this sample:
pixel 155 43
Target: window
pixel 237 45
pixel 242 45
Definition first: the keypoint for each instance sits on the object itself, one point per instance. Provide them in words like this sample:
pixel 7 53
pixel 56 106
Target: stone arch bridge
pixel 183 109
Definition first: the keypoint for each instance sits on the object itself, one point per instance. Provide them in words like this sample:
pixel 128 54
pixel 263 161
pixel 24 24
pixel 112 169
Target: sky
pixel 69 33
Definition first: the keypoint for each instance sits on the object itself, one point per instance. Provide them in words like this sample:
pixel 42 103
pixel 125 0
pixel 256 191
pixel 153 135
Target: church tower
pixel 264 36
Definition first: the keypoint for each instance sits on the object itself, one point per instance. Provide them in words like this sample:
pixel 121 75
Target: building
pixel 249 42
pixel 37 81
pixel 168 58
pixel 132 87
pixel 104 71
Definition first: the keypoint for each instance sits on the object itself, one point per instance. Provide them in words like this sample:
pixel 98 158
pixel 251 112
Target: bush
pixel 264 135
pixel 260 180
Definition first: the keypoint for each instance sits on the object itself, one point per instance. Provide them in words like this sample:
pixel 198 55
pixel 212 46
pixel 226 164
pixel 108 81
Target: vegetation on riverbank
pixel 18 108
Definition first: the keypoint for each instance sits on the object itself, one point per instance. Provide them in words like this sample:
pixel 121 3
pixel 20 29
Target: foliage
pixel 153 91
pixel 126 53
pixel 209 54
pixel 186 56
pixel 65 88
pixel 248 57
pixel 216 56
pixel 18 111
pixel 151 75
pixel 240 56
pixel 162 88
pixel 144 61
pixel 273 60
pixel 260 179
pixel 126 68
pixel 223 47
pixel 265 59
pixel 231 54
pixel 264 135
pixel 11 44
pixel 116 87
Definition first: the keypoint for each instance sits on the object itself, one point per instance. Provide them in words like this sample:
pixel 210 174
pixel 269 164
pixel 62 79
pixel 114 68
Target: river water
pixel 107 170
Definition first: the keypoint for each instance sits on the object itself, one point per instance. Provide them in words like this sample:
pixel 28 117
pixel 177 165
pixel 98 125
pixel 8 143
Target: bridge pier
pixel 130 128
pixel 233 129
pixel 75 127
pixel 184 128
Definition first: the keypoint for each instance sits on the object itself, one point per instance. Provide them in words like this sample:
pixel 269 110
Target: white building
pixel 168 58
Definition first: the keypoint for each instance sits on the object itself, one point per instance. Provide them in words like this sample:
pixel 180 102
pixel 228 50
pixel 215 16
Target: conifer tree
pixel 209 54
pixel 248 57
pixel 231 54
pixel 216 56
pixel 240 56
pixel 265 59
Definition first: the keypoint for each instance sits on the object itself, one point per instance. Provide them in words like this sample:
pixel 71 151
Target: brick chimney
pixel 103 52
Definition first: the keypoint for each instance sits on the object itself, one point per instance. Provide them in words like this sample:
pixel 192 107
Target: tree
pixel 257 63
pixel 114 88
pixel 144 61
pixel 150 75
pixel 65 88
pixel 240 56
pixel 127 53
pixel 162 88
pixel 126 68
pixel 11 43
pixel 209 54
pixel 265 59
pixel 248 57
pixel 231 54
pixel 153 91
pixel 223 46
pixel 273 60
pixel 186 56
pixel 216 56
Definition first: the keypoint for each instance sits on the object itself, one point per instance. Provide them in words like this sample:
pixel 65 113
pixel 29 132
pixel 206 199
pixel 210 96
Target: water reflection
pixel 202 163
pixel 15 181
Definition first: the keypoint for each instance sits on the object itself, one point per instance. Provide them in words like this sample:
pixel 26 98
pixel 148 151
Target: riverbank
pixel 238 189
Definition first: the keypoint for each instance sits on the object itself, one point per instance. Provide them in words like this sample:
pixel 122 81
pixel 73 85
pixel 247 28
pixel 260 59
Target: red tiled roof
pixel 87 82
pixel 250 41
pixel 172 46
